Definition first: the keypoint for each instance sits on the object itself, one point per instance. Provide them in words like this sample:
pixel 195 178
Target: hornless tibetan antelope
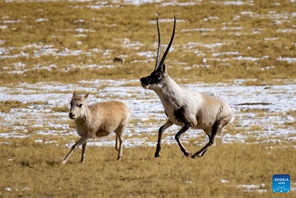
pixel 184 107
pixel 97 120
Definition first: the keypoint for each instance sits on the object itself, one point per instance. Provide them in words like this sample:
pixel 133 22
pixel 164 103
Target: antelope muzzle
pixel 71 115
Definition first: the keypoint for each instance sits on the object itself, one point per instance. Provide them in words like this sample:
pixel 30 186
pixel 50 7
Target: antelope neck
pixel 171 93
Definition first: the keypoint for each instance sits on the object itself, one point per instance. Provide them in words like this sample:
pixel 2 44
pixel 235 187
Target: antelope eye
pixel 80 105
pixel 158 76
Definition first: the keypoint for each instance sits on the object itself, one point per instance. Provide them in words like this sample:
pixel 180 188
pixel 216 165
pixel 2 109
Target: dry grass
pixel 7 105
pixel 98 36
pixel 34 50
pixel 30 169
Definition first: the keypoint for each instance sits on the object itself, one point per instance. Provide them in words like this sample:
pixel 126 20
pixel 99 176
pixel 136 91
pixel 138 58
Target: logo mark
pixel 281 183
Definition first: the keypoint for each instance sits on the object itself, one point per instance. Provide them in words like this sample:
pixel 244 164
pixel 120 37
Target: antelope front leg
pixel 160 132
pixel 82 140
pixel 177 137
pixel 83 152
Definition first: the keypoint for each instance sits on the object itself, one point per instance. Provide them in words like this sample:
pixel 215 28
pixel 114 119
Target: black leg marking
pixel 160 132
pixel 177 137
pixel 215 130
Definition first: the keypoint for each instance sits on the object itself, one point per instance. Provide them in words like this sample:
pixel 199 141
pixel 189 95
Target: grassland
pixel 228 170
pixel 66 42
pixel 57 41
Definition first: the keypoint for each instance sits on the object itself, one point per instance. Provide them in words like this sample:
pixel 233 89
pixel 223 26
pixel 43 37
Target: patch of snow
pixel 224 181
pixel 146 106
pixel 41 20
pixel 287 59
pixel 253 188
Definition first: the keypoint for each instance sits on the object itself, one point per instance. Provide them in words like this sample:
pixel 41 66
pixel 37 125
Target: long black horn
pixel 168 47
pixel 158 47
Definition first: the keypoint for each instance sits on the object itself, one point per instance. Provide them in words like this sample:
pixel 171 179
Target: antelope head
pixel 78 106
pixel 158 76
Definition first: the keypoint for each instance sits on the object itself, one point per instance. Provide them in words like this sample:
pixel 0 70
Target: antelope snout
pixel 71 115
pixel 144 82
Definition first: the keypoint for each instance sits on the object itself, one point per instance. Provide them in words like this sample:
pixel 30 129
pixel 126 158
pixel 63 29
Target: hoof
pixel 119 158
pixel 188 154
pixel 197 155
pixel 62 162
pixel 156 155
pixel 194 156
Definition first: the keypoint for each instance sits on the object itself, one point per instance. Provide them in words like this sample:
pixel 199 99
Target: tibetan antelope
pixel 97 120
pixel 184 107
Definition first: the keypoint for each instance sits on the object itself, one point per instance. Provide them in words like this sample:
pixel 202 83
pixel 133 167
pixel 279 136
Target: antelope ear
pixel 74 94
pixel 86 95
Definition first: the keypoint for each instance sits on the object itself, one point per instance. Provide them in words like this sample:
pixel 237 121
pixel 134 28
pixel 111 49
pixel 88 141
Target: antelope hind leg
pixel 215 130
pixel 119 147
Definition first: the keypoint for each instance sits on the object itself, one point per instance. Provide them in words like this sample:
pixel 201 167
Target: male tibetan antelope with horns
pixel 97 120
pixel 184 107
